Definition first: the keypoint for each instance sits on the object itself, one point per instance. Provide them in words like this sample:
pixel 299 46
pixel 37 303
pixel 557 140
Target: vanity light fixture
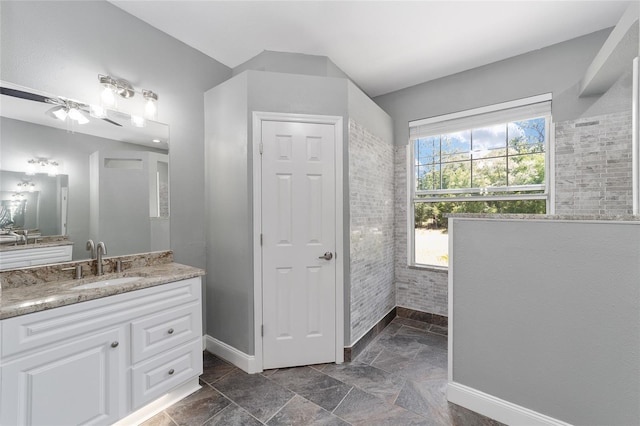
pixel 27 186
pixel 42 165
pixel 114 87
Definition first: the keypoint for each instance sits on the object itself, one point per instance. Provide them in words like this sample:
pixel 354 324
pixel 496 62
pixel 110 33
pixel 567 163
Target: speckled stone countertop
pixel 29 290
pixel 625 218
pixel 46 242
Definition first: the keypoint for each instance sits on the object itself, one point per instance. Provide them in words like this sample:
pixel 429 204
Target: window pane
pixel 430 232
pixel 489 141
pixel 456 146
pixel 427 150
pixel 526 169
pixel 428 178
pixel 526 136
pixel 489 172
pixel 456 175
pixel 431 239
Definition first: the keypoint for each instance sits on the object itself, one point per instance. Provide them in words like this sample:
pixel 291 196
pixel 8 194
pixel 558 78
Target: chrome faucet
pixel 91 247
pixel 100 250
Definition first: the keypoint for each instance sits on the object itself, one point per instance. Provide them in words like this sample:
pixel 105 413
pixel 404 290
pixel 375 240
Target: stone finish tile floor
pixel 399 379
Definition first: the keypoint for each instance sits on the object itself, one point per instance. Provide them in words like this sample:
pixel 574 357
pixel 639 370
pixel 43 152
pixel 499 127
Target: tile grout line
pixel 280 409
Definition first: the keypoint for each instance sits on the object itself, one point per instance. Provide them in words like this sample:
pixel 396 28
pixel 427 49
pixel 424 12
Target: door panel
pixel 298 226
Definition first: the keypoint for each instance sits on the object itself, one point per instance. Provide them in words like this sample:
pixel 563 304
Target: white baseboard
pixel 234 356
pixel 160 404
pixel 496 408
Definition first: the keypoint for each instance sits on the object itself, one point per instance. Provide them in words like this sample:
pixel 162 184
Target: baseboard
pixel 238 358
pixel 496 408
pixel 361 343
pixel 145 413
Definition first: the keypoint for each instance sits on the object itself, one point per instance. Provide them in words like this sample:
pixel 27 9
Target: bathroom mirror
pixel 106 179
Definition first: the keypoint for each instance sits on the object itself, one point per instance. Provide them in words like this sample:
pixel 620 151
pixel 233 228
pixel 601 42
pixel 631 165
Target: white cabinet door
pixel 72 384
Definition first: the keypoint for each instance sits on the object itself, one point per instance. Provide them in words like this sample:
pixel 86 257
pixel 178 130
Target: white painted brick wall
pixel 371 176
pixel 593 165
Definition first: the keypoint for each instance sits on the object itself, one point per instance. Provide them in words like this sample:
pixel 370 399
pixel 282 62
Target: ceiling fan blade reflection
pixel 23 95
pixel 112 122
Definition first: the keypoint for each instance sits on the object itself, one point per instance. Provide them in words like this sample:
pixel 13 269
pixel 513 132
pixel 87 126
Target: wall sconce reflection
pixel 42 165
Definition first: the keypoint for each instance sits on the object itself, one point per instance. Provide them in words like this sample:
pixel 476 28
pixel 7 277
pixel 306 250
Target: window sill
pixel 429 268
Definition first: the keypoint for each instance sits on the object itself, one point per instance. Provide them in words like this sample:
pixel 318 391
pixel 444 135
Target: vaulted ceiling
pixel 382 45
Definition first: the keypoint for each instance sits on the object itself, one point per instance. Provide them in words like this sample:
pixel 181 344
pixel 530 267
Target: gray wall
pixel 262 84
pixel 230 282
pixel 291 63
pixel 229 315
pixel 556 327
pixel 60 47
pixel 556 69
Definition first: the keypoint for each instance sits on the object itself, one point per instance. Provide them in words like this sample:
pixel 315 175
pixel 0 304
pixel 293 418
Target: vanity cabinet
pixel 98 361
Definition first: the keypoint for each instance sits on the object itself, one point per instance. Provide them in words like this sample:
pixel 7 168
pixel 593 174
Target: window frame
pixel 471 116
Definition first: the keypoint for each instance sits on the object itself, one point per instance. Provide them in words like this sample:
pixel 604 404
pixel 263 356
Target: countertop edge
pixel 64 295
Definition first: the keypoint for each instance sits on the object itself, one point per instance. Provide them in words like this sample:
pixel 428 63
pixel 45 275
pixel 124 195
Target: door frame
pixel 337 122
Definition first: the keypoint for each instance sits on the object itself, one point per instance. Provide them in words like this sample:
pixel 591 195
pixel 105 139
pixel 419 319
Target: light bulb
pixel 150 110
pixel 108 98
pixel 75 114
pixel 138 121
pixel 60 113
pixel 151 106
pixel 52 168
pixel 32 187
pixel 97 111
pixel 31 168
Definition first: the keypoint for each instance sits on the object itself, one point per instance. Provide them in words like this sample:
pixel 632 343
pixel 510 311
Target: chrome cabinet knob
pixel 114 344
pixel 170 331
pixel 171 372
pixel 327 256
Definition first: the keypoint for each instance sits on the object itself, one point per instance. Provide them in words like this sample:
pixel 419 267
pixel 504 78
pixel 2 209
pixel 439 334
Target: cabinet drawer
pixel 159 375
pixel 157 333
pixel 31 331
pixel 34 256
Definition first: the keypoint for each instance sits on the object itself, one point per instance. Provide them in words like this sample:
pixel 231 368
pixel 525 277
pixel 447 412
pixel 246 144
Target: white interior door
pixel 298 229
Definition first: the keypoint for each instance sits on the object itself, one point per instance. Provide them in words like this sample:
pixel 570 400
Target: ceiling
pixel 382 45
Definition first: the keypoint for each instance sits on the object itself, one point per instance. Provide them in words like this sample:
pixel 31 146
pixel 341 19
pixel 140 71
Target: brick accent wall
pixel 371 176
pixel 418 289
pixel 593 165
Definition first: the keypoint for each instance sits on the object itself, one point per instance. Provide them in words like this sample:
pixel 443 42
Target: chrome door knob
pixel 114 344
pixel 327 256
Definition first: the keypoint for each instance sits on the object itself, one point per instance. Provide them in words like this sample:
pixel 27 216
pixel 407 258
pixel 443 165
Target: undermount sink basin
pixel 105 283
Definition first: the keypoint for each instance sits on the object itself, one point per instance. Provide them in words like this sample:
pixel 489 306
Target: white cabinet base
pixel 160 404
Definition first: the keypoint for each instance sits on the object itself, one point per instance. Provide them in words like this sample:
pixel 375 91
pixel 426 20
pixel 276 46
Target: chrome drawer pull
pixel 171 372
pixel 170 331
pixel 114 344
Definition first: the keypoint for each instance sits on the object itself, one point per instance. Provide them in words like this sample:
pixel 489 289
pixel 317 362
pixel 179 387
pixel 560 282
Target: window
pixel 488 160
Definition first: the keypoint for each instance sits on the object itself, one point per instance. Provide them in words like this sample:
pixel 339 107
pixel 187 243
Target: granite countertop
pixel 564 217
pixel 47 242
pixel 41 295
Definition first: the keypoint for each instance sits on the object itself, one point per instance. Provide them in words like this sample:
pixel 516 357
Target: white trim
pixel 450 302
pixel 635 135
pixel 410 208
pixel 496 408
pixel 482 110
pixel 145 413
pixel 236 357
pixel 551 166
pixel 338 123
